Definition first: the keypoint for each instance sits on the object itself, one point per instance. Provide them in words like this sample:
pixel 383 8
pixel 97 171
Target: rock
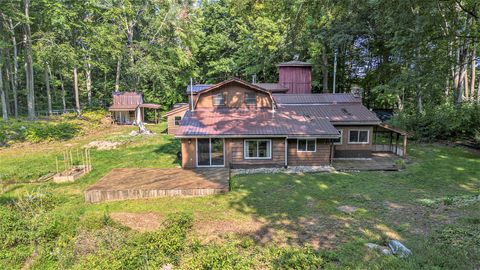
pixel 383 249
pixel 399 249
pixel 347 209
pixel 167 267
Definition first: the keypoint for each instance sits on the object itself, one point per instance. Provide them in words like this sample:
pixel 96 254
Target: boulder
pixel 399 249
pixel 347 209
pixel 383 249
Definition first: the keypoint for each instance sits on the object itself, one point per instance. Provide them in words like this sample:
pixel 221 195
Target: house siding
pixel 348 150
pixel 318 158
pixel 235 154
pixel 234 95
pixel 171 121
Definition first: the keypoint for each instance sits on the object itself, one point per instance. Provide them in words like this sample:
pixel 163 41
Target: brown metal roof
pixel 272 87
pixel 315 98
pixel 336 113
pixel 123 107
pixel 253 123
pixel 149 106
pixel 125 101
pixel 294 63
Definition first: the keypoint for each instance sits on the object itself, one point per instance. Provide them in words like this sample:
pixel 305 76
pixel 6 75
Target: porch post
pixel 396 144
pixel 286 152
pixel 405 145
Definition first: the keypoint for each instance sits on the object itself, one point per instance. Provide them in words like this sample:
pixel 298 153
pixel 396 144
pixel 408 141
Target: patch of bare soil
pixel 103 145
pixel 312 231
pixel 214 230
pixel 30 260
pixel 142 222
pixel 422 219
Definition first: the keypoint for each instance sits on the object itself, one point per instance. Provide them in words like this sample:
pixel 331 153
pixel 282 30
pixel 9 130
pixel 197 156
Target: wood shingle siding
pixel 234 95
pixel 318 158
pixel 172 128
pixel 354 150
pixel 235 154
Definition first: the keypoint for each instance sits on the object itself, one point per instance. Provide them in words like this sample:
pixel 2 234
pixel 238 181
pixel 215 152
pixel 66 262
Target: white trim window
pixel 306 145
pixel 358 136
pixel 339 141
pixel 177 120
pixel 257 149
pixel 251 99
pixel 219 99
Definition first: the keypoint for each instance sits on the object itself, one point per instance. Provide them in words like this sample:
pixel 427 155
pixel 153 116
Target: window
pixel 257 149
pixel 358 136
pixel 218 100
pixel 251 99
pixel 308 145
pixel 339 140
pixel 177 120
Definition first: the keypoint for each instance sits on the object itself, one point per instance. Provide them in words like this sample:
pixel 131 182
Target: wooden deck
pixel 125 184
pixel 380 161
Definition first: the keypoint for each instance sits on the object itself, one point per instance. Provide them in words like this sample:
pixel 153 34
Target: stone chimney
pixel 296 76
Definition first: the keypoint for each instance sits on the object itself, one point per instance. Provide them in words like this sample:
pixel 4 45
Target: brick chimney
pixel 296 76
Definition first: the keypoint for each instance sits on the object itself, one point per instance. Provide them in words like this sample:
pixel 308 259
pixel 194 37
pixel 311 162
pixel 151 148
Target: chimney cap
pixel 294 63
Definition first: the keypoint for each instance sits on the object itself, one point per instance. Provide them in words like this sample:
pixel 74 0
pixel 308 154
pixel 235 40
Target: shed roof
pixel 294 63
pixel 253 123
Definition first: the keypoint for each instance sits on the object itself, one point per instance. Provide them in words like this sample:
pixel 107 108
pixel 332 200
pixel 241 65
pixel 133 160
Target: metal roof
pixel 198 87
pixel 315 98
pixel 335 113
pixel 258 122
pixel 272 87
pixel 294 63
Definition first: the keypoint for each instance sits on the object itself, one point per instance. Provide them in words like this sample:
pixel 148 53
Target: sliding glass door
pixel 210 152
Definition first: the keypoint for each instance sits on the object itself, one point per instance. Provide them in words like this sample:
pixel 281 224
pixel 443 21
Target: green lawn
pixel 266 221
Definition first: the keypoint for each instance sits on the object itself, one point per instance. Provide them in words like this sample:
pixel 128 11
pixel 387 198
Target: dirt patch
pixel 281 233
pixel 103 145
pixel 142 222
pixel 214 230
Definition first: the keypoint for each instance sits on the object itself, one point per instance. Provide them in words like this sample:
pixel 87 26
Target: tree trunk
pixel 64 103
pixel 14 81
pixel 2 97
pixel 47 86
pixel 7 83
pixel 75 91
pixel 325 69
pixel 29 63
pixel 88 79
pixel 474 70
pixel 117 75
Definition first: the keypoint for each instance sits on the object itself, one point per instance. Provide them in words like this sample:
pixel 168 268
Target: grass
pixel 427 207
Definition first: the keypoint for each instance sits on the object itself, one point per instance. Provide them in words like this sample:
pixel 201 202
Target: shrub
pixel 296 258
pixel 444 122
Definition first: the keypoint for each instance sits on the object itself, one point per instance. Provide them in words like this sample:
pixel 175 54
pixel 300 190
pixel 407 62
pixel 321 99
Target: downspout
pixel 191 94
pixel 331 152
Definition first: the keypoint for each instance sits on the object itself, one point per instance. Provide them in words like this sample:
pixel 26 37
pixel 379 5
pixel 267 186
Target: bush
pixel 444 122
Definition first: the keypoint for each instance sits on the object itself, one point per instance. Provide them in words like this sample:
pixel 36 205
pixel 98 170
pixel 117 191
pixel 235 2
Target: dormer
pixel 234 94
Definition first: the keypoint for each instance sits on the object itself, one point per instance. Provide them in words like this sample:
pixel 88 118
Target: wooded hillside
pixel 67 54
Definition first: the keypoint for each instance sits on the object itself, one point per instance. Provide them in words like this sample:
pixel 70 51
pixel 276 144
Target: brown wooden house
pixel 239 125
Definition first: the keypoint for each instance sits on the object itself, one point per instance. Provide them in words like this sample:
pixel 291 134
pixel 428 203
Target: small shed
pixel 128 108
pixel 296 76
pixel 174 116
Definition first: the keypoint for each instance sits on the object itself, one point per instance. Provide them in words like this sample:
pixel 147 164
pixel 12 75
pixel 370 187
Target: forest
pixel 418 58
